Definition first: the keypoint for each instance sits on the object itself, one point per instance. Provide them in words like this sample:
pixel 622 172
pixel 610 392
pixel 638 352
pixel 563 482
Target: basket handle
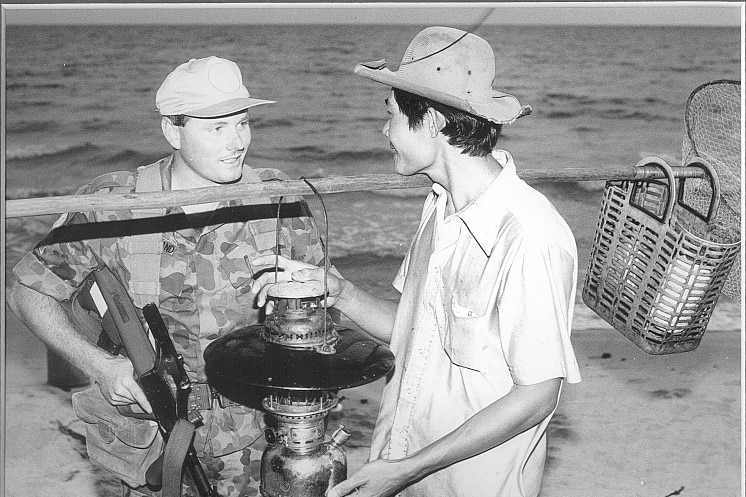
pixel 651 164
pixel 714 183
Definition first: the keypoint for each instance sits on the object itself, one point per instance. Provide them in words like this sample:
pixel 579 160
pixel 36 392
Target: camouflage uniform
pixel 205 289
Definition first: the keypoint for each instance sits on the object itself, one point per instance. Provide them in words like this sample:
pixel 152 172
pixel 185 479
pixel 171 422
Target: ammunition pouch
pixel 97 330
pixel 122 445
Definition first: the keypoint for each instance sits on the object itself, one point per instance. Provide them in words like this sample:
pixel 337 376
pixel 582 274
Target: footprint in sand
pixel 670 394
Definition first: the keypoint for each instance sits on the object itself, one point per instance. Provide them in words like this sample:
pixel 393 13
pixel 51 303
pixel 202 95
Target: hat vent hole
pixel 438 69
pixel 469 72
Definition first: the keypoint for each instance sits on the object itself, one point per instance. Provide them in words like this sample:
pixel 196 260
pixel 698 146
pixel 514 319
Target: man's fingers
pixel 342 489
pixel 307 274
pixel 282 263
pixel 141 399
pixel 259 286
pixel 269 260
pixel 132 393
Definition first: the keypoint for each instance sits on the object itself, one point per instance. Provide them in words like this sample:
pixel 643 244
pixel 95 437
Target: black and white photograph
pixel 446 249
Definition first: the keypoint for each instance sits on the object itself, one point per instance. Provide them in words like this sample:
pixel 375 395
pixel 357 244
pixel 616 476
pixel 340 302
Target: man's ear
pixel 171 132
pixel 436 121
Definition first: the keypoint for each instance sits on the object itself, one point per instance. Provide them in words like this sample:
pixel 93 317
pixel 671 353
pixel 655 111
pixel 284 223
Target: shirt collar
pixel 481 215
pixel 248 176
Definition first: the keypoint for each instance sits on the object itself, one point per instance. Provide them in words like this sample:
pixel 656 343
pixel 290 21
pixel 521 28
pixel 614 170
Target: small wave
pixel 99 106
pixel 31 126
pixel 100 125
pixel 585 129
pixel 37 86
pixel 608 113
pixel 46 150
pixel 24 104
pixel 273 123
pixel 623 113
pixel 575 190
pixel 418 193
pixel 308 152
pixel 586 101
pixel 559 114
pixel 133 158
pixel 376 155
pixel 19 193
pixel 313 153
pixel 681 69
pixel 560 96
pixel 568 105
pixel 372 119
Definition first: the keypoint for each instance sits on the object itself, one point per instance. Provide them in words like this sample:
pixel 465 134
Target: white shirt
pixel 487 301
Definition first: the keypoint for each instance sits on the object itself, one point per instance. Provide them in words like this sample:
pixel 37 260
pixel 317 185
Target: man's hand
pixel 118 385
pixel 290 270
pixel 380 478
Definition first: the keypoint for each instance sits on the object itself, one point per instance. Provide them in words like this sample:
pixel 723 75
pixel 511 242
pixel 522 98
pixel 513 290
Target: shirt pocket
pixel 173 274
pixel 264 234
pixel 264 237
pixel 464 334
pixel 235 266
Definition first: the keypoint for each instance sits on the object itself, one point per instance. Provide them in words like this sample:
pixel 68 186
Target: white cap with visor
pixel 208 87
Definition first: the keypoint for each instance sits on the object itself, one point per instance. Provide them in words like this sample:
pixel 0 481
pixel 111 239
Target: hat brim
pixel 228 107
pixel 502 109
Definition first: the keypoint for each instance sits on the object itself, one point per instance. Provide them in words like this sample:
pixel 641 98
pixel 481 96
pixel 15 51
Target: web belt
pixel 203 396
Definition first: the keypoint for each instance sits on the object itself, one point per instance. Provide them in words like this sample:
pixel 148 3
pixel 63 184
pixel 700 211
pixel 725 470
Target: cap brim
pixel 503 108
pixel 228 107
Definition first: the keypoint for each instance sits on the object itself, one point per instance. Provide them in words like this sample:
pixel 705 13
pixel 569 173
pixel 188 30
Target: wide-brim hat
pixel 208 87
pixel 451 67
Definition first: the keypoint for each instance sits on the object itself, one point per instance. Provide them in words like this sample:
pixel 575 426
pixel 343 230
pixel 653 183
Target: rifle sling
pixel 177 447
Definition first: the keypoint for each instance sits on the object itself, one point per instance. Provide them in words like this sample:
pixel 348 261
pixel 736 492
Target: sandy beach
pixel 637 425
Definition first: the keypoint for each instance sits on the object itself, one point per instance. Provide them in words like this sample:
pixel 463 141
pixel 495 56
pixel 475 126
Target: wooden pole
pixel 337 184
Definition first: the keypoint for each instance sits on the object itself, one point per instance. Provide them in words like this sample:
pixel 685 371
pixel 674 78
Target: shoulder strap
pixel 145 249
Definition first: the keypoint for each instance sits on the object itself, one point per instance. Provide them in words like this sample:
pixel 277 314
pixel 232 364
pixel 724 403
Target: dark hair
pixel 473 135
pixel 178 120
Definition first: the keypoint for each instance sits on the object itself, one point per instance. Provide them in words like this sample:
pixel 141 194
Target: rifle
pixel 152 367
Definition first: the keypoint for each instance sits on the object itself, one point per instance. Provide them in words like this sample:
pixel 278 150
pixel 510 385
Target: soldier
pixel 203 286
pixel 481 333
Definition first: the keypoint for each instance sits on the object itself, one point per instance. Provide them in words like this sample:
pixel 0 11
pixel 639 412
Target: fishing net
pixel 713 132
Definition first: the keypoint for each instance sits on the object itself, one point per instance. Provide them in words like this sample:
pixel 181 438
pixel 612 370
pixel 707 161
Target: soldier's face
pixel 214 149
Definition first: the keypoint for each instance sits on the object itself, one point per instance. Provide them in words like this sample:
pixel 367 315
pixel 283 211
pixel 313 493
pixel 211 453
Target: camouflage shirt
pixel 205 273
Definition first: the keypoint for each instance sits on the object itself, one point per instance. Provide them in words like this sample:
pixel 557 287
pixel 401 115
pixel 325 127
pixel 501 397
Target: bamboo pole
pixel 337 184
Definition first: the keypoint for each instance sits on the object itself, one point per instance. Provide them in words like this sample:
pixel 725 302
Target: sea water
pixel 81 101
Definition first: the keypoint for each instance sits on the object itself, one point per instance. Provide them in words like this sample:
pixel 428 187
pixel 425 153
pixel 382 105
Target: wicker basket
pixel 654 274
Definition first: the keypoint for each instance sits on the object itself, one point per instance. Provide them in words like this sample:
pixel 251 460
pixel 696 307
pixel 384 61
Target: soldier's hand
pixel 118 385
pixel 290 270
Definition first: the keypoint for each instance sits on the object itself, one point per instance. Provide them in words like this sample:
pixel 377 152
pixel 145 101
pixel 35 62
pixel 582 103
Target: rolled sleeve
pixel 56 269
pixel 535 314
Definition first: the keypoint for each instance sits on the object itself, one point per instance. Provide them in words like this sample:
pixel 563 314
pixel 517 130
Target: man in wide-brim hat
pixel 481 333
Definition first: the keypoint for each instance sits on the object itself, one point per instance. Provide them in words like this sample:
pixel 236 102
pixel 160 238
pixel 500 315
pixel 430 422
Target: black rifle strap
pixel 177 446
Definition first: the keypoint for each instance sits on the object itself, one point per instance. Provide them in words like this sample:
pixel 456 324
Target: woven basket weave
pixel 654 274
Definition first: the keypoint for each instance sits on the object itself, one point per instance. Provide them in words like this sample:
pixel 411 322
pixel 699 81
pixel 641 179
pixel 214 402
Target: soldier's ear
pixel 171 133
